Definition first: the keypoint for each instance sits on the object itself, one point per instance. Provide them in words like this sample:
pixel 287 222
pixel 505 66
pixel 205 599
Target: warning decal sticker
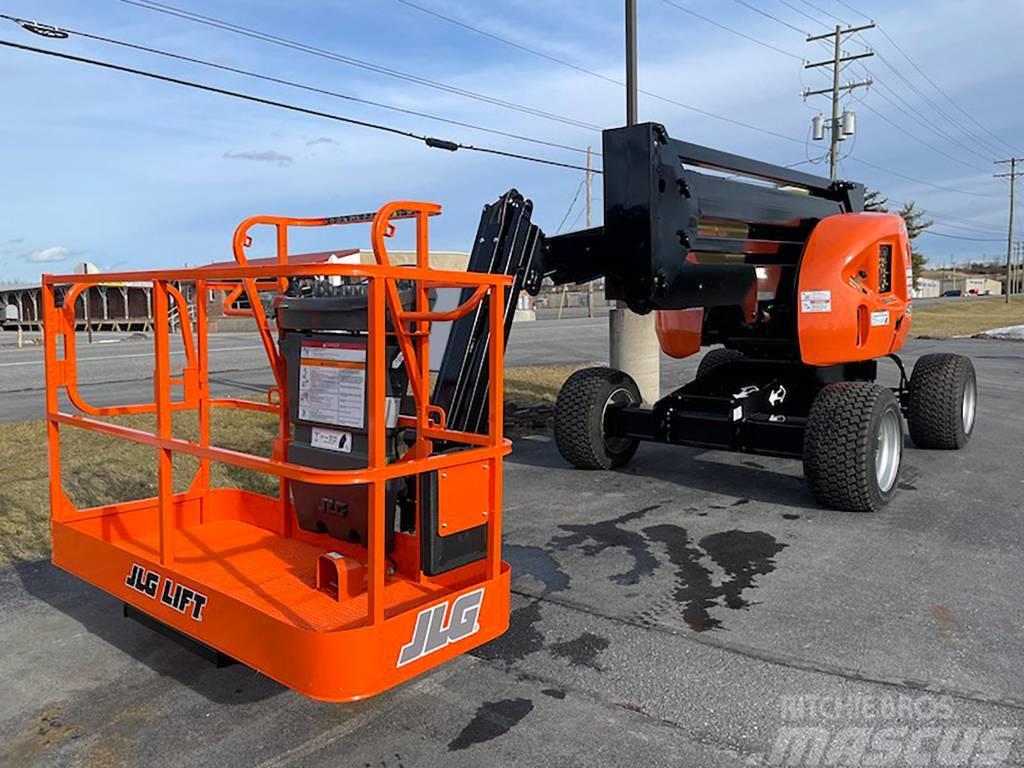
pixel 880 318
pixel 815 301
pixel 331 439
pixel 332 383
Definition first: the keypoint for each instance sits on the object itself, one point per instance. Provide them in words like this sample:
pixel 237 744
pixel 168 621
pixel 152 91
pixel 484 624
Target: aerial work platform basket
pixel 335 618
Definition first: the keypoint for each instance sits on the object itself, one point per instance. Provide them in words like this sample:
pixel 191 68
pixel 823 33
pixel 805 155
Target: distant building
pixel 971 285
pixel 927 288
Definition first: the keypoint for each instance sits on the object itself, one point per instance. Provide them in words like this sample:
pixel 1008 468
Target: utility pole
pixel 843 126
pixel 1012 176
pixel 1018 269
pixel 590 283
pixel 1015 270
pixel 632 341
pixel 631 81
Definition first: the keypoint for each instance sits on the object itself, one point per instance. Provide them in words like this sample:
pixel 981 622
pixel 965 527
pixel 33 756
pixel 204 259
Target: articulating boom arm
pixel 674 238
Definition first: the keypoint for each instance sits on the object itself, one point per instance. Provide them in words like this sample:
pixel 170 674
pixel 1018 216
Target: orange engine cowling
pixel 853 297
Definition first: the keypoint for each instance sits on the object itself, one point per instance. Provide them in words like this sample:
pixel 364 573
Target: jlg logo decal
pixel 180 598
pixel 432 634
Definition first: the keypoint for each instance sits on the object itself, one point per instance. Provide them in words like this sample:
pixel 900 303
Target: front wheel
pixel 580 410
pixel 853 446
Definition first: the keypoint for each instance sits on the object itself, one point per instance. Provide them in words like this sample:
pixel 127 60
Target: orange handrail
pixel 70 368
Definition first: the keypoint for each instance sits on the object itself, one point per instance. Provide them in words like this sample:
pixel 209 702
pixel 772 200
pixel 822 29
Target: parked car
pixel 952 293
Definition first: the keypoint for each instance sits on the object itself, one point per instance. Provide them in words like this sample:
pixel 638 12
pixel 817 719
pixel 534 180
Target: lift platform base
pixel 247 592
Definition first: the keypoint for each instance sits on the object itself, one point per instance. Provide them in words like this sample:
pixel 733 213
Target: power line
pixel 711 21
pixel 506 41
pixel 961 237
pixel 924 97
pixel 823 11
pixel 916 116
pixel 942 92
pixel 851 8
pixel 31 26
pixel 951 216
pixel 428 140
pixel 975 230
pixel 598 75
pixel 571 205
pixel 755 9
pixel 918 139
pixel 924 183
pixel 803 13
pixel 151 5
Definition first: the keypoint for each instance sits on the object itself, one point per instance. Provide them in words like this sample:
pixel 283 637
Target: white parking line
pixel 104 358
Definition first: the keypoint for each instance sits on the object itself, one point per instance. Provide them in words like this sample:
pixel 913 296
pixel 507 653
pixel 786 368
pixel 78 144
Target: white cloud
pixel 268 156
pixel 54 253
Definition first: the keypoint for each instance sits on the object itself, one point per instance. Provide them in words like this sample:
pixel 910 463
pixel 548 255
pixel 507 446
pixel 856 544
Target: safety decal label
pixel 331 439
pixel 332 383
pixel 815 301
pixel 880 318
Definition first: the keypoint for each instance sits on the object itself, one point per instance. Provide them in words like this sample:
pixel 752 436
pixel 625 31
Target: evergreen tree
pixel 913 217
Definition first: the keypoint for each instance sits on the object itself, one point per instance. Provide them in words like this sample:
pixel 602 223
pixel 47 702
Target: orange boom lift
pixel 335 617
pixel 379 557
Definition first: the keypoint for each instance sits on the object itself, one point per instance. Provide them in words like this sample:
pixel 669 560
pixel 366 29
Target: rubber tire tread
pixel 839 445
pixel 715 358
pixel 579 418
pixel 935 400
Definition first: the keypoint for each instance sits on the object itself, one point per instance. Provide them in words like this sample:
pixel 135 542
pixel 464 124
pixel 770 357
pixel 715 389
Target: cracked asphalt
pixel 690 610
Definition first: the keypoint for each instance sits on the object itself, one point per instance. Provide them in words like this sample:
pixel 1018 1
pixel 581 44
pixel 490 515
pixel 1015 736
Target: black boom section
pixel 674 237
pixel 506 243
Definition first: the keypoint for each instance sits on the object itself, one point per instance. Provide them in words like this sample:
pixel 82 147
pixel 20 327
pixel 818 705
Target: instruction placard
pixel 815 301
pixel 332 383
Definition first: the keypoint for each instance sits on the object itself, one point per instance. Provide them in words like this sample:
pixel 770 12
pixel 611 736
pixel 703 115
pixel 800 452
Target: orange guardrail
pixel 410 327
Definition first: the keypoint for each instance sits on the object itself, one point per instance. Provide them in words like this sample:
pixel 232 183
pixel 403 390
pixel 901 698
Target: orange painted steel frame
pixel 844 314
pixel 356 657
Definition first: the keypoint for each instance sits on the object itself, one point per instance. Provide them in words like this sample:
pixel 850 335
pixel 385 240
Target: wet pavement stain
pixel 582 651
pixel 538 563
pixel 554 693
pixel 790 516
pixel 742 555
pixel 492 719
pixel 521 639
pixel 595 538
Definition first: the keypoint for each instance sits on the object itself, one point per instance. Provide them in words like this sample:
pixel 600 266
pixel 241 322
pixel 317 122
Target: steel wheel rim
pixel 888 449
pixel 969 405
pixel 620 396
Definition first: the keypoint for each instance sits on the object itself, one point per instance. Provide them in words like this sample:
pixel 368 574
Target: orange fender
pixel 679 331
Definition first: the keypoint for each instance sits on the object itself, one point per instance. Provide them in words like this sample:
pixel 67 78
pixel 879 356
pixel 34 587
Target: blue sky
pixel 130 173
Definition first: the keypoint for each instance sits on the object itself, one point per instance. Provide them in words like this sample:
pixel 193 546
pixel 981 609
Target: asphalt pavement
pixel 694 609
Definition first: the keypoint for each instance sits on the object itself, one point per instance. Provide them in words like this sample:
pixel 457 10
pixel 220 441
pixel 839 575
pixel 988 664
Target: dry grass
pixel 537 383
pixel 97 469
pixel 101 470
pixel 965 316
